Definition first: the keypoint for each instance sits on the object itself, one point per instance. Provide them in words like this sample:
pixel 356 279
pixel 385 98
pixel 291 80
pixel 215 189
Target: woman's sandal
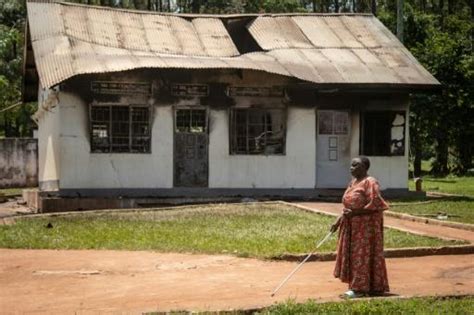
pixel 352 295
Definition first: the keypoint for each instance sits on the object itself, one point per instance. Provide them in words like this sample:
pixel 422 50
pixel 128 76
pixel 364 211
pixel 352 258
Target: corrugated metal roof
pixel 278 32
pixel 70 39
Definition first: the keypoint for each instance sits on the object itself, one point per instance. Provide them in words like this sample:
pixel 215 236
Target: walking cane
pixel 301 263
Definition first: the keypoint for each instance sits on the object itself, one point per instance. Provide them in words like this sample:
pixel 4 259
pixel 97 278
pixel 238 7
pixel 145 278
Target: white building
pixel 141 104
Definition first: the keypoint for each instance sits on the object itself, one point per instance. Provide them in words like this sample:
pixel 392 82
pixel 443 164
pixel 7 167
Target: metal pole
pixel 301 264
pixel 400 20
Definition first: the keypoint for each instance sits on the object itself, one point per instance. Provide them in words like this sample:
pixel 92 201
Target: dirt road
pixel 48 281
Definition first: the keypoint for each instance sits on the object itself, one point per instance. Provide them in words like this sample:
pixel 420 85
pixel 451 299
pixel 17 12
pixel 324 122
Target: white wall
pixel 18 162
pixel 64 148
pixel 296 169
pixel 82 169
pixel 391 172
pixel 48 137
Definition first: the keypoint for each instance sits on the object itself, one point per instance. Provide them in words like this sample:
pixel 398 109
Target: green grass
pixel 459 209
pixel 11 191
pixel 426 306
pixel 451 185
pixel 256 230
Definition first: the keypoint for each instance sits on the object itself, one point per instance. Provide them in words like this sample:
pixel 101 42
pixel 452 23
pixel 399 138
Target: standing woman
pixel 360 260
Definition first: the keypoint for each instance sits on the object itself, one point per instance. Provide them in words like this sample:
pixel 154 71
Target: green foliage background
pixel 438 32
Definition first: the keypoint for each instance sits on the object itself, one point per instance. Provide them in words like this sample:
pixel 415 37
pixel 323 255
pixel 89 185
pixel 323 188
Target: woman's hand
pixel 336 225
pixel 347 212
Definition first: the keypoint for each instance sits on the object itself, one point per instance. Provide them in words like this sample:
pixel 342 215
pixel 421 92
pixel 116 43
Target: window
pixel 332 122
pixel 257 131
pixel 191 120
pixel 383 133
pixel 117 128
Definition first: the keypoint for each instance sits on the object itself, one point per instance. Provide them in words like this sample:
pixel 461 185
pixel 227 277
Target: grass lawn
pixel 461 208
pixel 256 230
pixel 426 306
pixel 458 209
pixel 11 191
pixel 450 184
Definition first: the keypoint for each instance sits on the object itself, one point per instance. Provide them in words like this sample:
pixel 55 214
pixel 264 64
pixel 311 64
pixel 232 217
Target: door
pixel 333 149
pixel 190 148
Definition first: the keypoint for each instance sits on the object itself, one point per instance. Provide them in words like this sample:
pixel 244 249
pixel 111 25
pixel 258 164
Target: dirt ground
pixel 49 281
pixel 83 282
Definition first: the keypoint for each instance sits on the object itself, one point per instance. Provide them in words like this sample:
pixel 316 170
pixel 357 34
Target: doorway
pixel 191 147
pixel 333 149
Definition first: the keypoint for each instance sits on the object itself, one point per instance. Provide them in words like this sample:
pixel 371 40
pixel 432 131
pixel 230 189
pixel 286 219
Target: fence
pixel 18 162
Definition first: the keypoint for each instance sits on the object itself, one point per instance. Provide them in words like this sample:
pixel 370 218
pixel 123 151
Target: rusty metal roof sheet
pixel 70 39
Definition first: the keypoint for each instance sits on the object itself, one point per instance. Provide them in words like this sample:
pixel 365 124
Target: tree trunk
pixel 7 124
pixel 400 20
pixel 140 4
pixel 18 126
pixel 466 151
pixel 440 166
pixel 416 144
pixel 374 7
pixel 450 6
pixel 336 6
pixel 195 6
pixel 24 121
pixel 417 151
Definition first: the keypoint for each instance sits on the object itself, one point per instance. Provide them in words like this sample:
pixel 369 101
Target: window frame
pixel 233 133
pixel 110 134
pixel 191 108
pixel 334 131
pixel 362 135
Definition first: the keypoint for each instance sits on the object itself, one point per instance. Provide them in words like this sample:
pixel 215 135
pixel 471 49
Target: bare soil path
pixel 399 224
pixel 49 281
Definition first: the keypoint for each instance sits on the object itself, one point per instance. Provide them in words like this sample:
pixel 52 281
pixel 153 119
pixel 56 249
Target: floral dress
pixel 360 260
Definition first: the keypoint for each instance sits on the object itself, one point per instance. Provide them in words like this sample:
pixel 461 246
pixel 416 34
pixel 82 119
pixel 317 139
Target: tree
pixel 15 121
pixel 281 6
pixel 446 53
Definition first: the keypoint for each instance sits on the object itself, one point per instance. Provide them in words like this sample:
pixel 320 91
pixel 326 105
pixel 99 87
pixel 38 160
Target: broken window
pixel 117 128
pixel 191 120
pixel 257 131
pixel 383 133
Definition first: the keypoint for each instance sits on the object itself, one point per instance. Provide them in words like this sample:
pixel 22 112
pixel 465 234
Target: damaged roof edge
pixel 69 39
pixel 325 88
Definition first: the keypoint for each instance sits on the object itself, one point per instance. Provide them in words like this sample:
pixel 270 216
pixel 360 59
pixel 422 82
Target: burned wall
pixel 219 93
